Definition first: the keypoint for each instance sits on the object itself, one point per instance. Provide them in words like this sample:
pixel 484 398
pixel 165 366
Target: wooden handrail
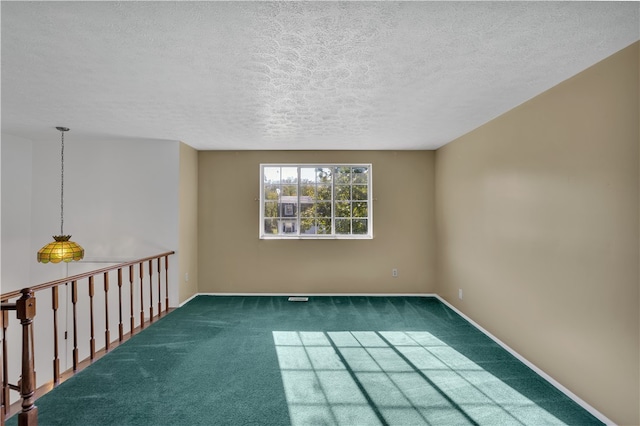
pixel 17 293
pixel 25 308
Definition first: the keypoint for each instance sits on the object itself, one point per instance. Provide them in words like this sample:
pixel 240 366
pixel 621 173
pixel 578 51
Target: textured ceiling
pixel 291 75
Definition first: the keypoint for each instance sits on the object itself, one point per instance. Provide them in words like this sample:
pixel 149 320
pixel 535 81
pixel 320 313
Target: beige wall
pixel 537 221
pixel 232 259
pixel 188 222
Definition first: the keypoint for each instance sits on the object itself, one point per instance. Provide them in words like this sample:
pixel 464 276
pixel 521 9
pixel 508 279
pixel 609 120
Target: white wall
pixel 120 199
pixel 15 228
pixel 16 213
pixel 120 203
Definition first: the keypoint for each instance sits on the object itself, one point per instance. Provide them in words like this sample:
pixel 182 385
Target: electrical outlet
pixel 460 293
pixel 186 277
pixel 394 273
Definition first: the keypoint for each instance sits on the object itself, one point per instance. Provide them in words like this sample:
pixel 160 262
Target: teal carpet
pixel 332 360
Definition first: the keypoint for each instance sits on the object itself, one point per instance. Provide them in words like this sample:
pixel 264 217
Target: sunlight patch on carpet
pixel 366 377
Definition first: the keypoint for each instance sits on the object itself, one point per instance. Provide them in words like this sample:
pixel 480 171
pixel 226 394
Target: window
pixel 315 201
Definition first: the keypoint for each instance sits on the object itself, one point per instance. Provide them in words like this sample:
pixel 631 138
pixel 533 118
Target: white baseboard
pixel 522 359
pixel 320 294
pixel 532 366
pixel 188 300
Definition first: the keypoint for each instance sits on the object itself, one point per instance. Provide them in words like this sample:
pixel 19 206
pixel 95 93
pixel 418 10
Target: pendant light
pixel 62 249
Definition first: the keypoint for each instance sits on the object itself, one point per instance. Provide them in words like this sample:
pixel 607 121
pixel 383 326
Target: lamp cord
pixel 62 186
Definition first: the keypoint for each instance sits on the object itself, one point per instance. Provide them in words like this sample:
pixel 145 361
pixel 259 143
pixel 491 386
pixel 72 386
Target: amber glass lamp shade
pixel 60 250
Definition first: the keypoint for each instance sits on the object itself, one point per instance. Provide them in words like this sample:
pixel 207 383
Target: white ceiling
pixel 291 75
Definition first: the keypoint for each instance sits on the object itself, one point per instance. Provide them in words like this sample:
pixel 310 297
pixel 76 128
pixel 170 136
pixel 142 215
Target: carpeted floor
pixel 332 360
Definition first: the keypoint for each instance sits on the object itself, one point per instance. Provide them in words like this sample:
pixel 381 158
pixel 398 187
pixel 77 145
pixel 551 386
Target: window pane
pixel 288 226
pixel 360 226
pixel 308 191
pixel 271 226
pixel 289 209
pixel 323 192
pixel 305 201
pixel 307 226
pixel 343 209
pixel 360 175
pixel 308 174
pixel 272 175
pixel 323 209
pixel 343 175
pixel 359 192
pixel 289 175
pixel 324 226
pixel 343 192
pixel 289 190
pixel 307 210
pixel 343 226
pixel 271 209
pixel 271 192
pixel 360 209
pixel 323 174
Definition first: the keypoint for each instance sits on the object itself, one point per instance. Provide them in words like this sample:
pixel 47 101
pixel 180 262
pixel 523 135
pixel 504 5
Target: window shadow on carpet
pixel 393 377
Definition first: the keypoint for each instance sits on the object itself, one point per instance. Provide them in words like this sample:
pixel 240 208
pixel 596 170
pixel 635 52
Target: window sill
pixel 316 237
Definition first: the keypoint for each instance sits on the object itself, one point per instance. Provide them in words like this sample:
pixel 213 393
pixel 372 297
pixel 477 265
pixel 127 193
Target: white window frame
pixel 297 235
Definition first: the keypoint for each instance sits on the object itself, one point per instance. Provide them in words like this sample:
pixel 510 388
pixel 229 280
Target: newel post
pixel 26 311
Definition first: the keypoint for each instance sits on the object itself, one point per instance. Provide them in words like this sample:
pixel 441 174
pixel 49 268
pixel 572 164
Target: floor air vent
pixel 298 299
